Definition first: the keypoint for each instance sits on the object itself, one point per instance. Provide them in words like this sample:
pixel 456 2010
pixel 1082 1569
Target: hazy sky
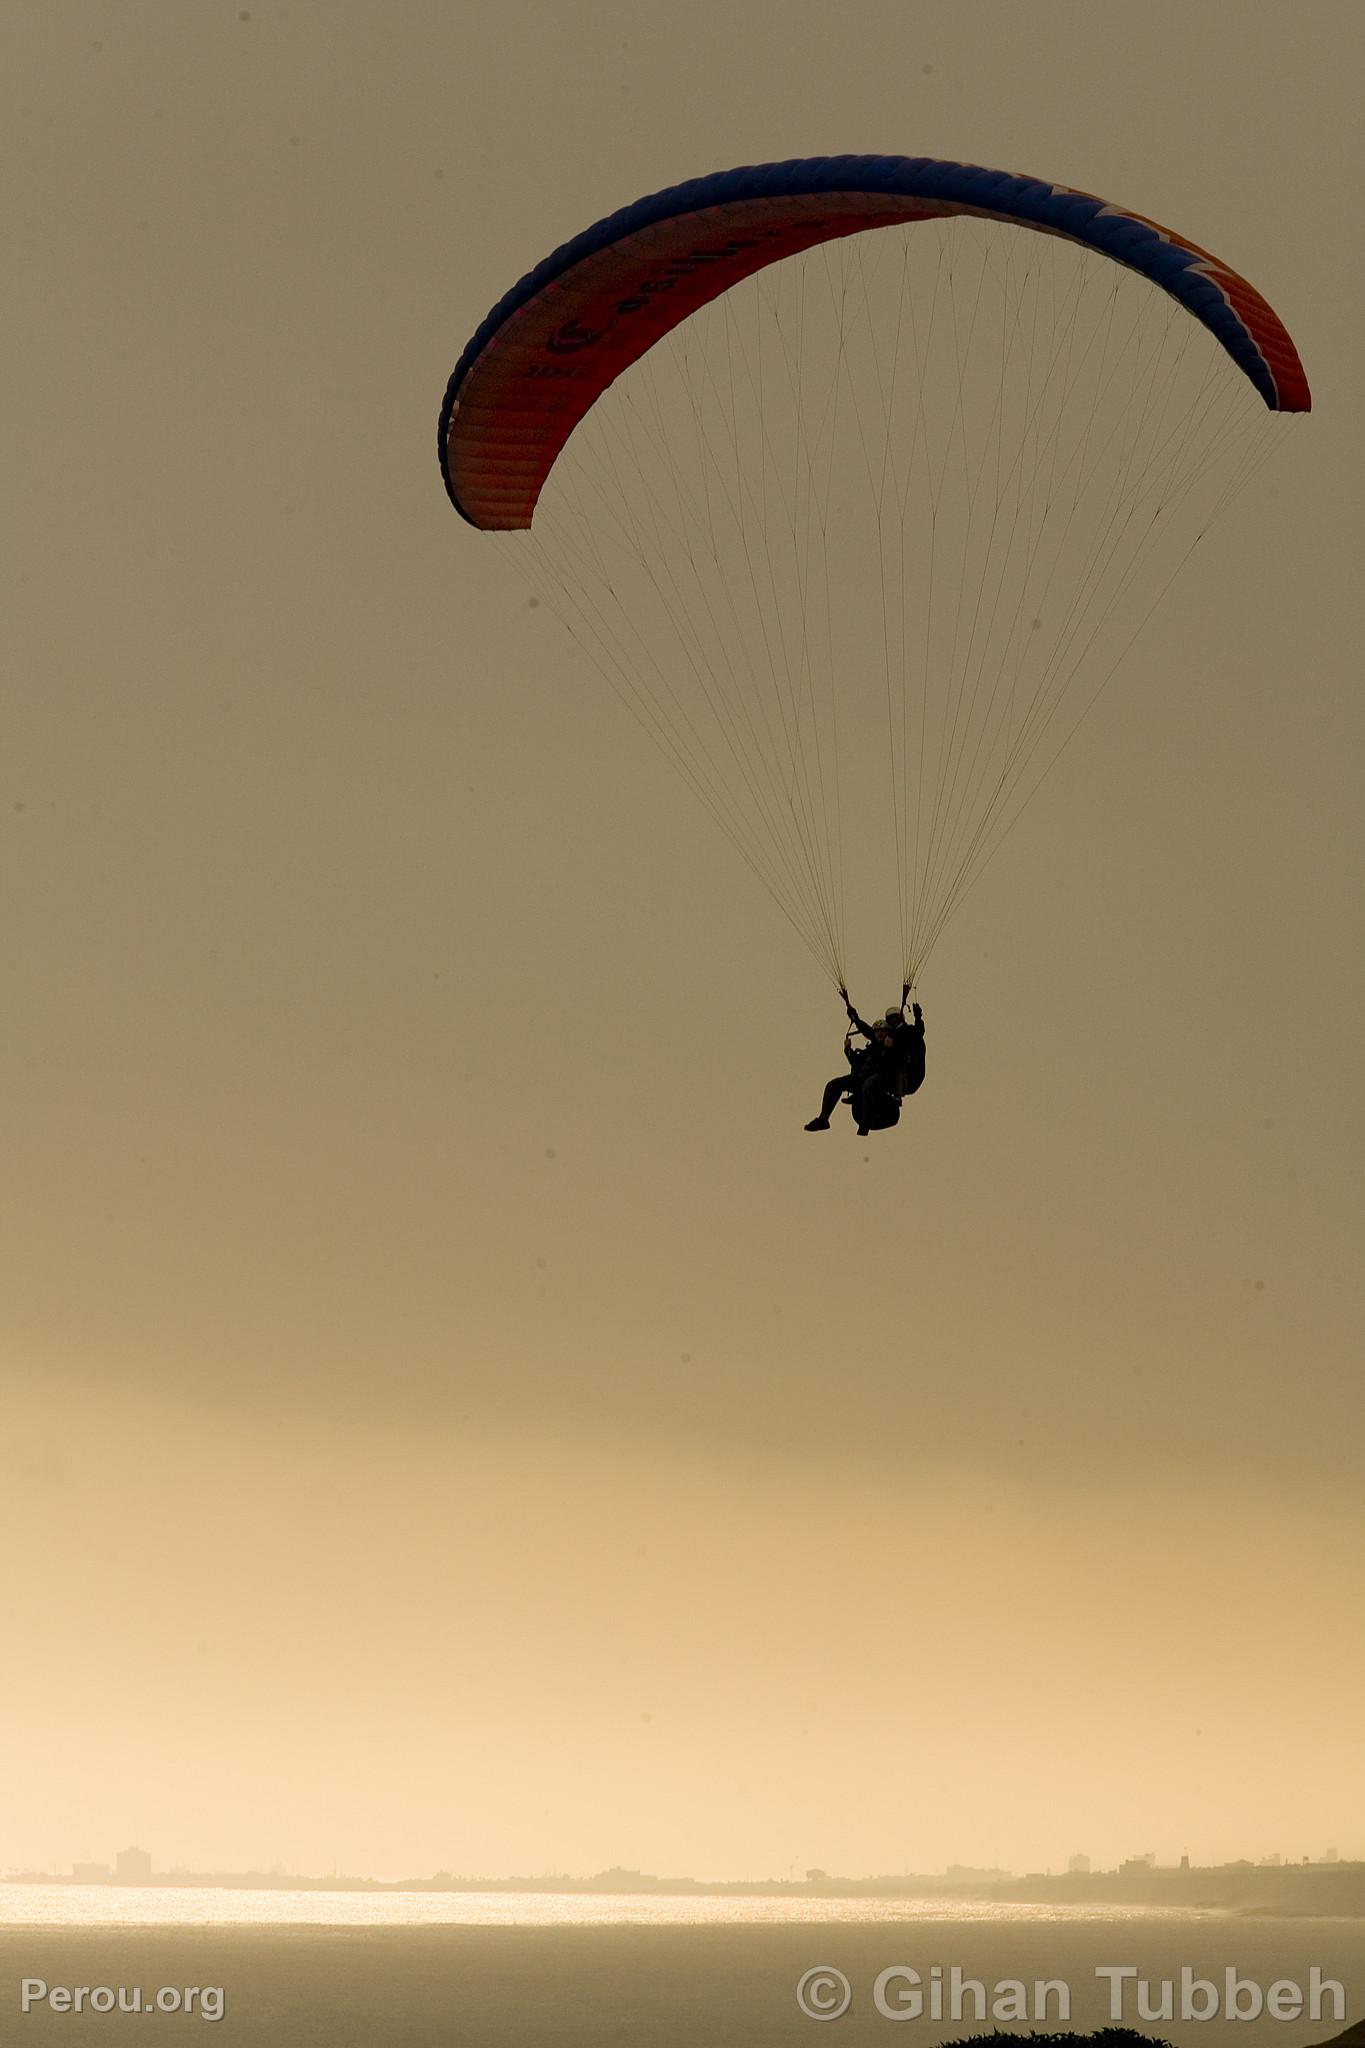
pixel 453 1415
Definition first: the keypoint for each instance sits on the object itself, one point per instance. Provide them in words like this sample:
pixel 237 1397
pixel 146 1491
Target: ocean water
pixel 110 1905
pixel 507 1970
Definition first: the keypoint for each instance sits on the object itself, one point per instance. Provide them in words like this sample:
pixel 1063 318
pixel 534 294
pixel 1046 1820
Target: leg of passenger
pixel 835 1091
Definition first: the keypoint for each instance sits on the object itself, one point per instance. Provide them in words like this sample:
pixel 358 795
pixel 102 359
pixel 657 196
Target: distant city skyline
pixel 138 1866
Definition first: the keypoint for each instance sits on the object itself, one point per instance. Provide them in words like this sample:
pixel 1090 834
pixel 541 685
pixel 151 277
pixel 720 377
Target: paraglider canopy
pixel 553 345
pixel 856 477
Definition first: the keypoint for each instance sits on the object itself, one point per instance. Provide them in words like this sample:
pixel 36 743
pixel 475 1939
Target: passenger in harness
pixel 881 1073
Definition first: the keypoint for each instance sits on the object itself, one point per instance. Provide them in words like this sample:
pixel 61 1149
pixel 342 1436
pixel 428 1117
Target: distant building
pixel 90 1873
pixel 133 1866
pixel 1331 1856
pixel 1079 1866
pixel 1185 1861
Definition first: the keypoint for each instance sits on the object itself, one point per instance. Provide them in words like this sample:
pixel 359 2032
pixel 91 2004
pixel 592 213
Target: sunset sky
pixel 452 1413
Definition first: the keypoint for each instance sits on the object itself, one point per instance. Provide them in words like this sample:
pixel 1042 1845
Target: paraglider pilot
pixel 881 1073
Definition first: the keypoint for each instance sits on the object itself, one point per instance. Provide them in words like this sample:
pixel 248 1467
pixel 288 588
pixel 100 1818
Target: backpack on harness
pixel 875 1103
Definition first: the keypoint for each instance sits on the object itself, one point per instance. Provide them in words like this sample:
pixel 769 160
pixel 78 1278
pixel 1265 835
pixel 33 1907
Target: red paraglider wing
pixel 555 343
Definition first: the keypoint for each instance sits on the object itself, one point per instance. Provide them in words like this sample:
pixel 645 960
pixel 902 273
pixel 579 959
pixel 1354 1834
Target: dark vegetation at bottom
pixel 1102 2037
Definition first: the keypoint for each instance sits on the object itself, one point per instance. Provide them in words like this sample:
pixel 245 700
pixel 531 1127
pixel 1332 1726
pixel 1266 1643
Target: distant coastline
pixel 1282 1891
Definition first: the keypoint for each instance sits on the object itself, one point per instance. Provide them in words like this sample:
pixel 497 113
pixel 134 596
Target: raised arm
pixel 854 1019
